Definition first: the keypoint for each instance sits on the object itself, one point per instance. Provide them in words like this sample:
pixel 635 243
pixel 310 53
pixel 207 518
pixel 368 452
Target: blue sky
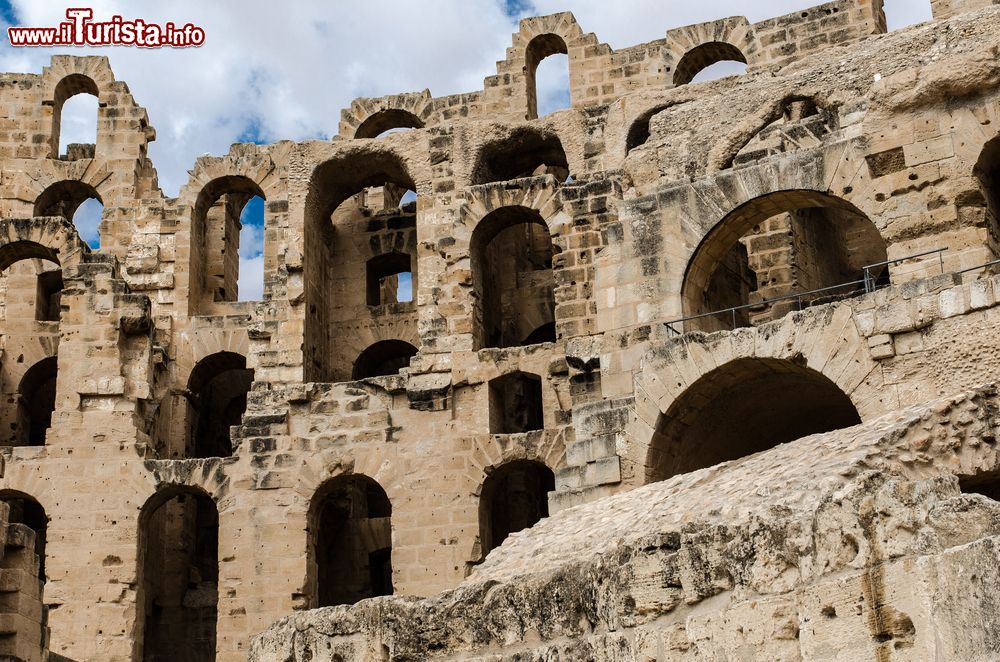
pixel 270 71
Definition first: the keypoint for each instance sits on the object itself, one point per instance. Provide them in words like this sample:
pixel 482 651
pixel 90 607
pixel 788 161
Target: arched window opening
pixel 556 85
pixel 26 626
pixel 386 357
pixel 179 577
pixel 389 279
pixel 74 118
pixel 901 13
pixel 48 294
pixel 77 202
pixel 514 497
pixel 388 121
pixel 709 61
pixel 512 277
pixel 27 512
pixel 744 407
pixel 987 171
pixel 526 153
pixel 217 396
pixel 36 403
pixel 516 403
pixel 356 203
pixel 350 542
pixel 779 253
pixel 216 230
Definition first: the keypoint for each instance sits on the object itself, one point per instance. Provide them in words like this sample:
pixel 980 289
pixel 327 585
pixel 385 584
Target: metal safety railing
pixel 868 283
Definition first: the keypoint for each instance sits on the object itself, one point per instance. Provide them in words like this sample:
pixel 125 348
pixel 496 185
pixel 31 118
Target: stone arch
pixel 28 511
pixel 539 37
pixel 385 120
pixel 215 239
pixel 367 118
pixel 68 87
pixel 513 497
pixel 540 47
pixel 349 528
pixel 64 198
pixel 38 401
pixel 703 292
pixel 694 47
pixel 218 387
pixel 52 239
pixel 703 56
pixel 521 152
pixel 742 407
pixel 823 340
pixel 507 242
pixel 177 603
pixel 333 182
pixel 385 357
pixel 213 198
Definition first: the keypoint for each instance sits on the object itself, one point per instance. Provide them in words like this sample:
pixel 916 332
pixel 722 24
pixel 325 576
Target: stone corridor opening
pixel 218 389
pixel 355 212
pixel 744 407
pixel 386 357
pixel 514 497
pixel 516 403
pixel 987 172
pixel 526 152
pixel 777 245
pixel 512 278
pixel 179 576
pixel 540 48
pixel 75 109
pixel 350 542
pixel 216 225
pixel 36 403
pixel 27 511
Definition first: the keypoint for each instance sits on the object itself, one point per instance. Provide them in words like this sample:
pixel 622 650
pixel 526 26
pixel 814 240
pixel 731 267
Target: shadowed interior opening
pixel 512 278
pixel 514 498
pixel 179 577
pixel 218 388
pixel 350 531
pixel 744 407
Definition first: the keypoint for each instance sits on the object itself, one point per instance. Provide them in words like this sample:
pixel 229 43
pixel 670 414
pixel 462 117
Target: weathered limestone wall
pixel 872 549
pixel 643 187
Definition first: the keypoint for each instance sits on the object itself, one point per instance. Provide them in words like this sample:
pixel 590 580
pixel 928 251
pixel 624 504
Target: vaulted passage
pixel 218 388
pixel 36 403
pixel 387 120
pixel 179 577
pixel 386 357
pixel 516 403
pixel 75 201
pixel 350 542
pixel 360 229
pixel 514 497
pixel 22 565
pixel 772 249
pixel 741 408
pixel 526 152
pixel 512 279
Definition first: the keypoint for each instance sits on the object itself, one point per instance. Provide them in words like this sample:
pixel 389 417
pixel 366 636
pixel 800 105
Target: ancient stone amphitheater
pixel 691 370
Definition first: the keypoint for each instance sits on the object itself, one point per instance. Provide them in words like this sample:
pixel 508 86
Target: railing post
pixel 941 260
pixel 734 319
